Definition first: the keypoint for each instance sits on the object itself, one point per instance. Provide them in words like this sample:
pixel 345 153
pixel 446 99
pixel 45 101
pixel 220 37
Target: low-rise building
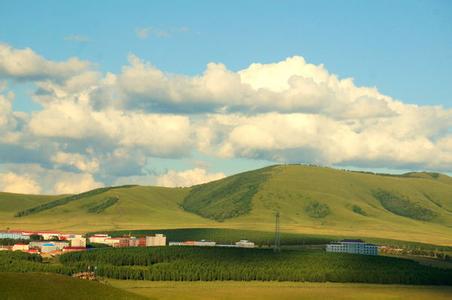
pixel 20 247
pixel 156 240
pixel 99 238
pixel 204 243
pixel 15 235
pixel 49 235
pixel 48 247
pixel 74 249
pixel 244 244
pixel 352 246
pixel 59 245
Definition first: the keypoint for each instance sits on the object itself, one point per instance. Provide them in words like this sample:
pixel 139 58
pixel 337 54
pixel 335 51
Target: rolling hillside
pixel 413 206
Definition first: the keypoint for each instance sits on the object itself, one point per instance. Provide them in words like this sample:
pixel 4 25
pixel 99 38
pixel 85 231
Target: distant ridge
pixel 311 199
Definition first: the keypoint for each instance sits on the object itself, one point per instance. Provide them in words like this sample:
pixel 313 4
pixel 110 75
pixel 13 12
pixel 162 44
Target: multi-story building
pixel 77 242
pixel 156 240
pixel 352 246
pixel 99 238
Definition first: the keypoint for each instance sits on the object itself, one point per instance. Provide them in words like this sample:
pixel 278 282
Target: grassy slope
pixel 292 188
pixel 278 290
pixel 288 188
pixel 52 286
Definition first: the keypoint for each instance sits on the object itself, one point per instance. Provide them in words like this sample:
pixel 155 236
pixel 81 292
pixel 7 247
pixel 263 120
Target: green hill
pixel 314 200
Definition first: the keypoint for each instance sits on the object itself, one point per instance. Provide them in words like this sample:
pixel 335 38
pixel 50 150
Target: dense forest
pixel 206 264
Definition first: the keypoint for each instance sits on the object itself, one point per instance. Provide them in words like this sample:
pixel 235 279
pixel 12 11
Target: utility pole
pixel 277 247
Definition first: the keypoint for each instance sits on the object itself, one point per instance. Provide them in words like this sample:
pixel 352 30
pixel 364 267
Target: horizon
pixel 178 94
pixel 368 172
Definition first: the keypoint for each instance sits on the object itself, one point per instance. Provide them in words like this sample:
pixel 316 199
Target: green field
pixel 16 286
pixel 51 286
pixel 279 290
pixel 311 200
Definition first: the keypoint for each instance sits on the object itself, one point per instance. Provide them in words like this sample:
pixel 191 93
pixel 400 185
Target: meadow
pixel 226 290
pixel 17 286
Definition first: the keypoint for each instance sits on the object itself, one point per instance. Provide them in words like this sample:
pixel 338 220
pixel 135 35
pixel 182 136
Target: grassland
pixel 279 290
pixel 311 200
pixel 52 286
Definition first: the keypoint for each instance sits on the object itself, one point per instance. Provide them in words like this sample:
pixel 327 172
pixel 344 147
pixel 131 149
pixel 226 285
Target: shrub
pixel 317 210
pixel 402 206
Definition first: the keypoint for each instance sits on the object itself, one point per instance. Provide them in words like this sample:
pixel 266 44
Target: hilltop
pixel 319 200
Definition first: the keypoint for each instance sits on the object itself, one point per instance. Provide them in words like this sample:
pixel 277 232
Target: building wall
pixel 157 240
pixel 355 248
pixel 20 247
pixel 78 242
pixel 13 235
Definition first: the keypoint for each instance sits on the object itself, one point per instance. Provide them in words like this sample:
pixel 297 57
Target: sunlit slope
pixel 325 200
pixel 136 207
pixel 415 206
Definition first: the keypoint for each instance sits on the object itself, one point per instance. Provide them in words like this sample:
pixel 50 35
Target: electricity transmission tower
pixel 277 247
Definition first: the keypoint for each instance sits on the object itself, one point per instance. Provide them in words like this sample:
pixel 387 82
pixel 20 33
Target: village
pixel 52 243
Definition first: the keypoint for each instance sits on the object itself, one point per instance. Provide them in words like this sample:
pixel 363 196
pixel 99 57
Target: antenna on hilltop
pixel 277 247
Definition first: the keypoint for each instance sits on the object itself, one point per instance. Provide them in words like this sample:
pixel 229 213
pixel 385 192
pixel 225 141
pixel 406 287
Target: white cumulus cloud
pixel 187 178
pixel 26 64
pixel 21 184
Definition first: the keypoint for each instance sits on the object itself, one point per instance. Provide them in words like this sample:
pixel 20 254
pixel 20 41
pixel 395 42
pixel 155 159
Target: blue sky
pixel 403 48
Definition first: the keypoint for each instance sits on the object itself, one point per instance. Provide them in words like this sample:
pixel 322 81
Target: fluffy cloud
pixel 187 178
pixel 21 184
pixel 34 179
pixel 75 183
pixel 76 160
pixel 25 64
pixel 288 86
pixel 406 141
pixel 96 128
pixel 159 135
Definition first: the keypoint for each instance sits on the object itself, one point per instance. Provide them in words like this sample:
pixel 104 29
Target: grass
pixel 278 290
pixel 52 286
pixel 98 208
pixel 317 210
pixel 403 207
pixel 250 201
pixel 227 198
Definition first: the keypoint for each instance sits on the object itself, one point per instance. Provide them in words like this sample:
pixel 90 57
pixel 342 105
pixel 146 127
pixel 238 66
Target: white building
pixel 352 246
pixel 13 235
pixel 55 245
pixel 99 238
pixel 244 244
pixel 156 240
pixel 77 242
pixel 20 247
pixel 49 235
pixel 205 243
